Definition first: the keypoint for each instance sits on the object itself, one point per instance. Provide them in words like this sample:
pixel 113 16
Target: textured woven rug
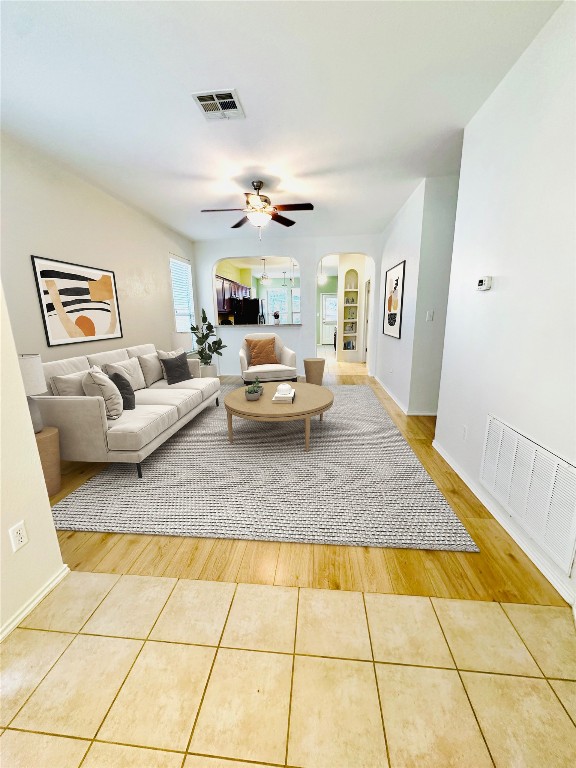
pixel 360 484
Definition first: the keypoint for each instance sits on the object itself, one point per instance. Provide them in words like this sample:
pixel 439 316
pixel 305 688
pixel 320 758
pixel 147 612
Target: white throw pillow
pixel 130 369
pixel 70 384
pixel 95 383
pixel 166 355
pixel 151 368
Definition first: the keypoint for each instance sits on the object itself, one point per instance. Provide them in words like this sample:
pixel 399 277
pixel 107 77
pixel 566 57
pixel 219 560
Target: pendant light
pixel 322 277
pixel 264 279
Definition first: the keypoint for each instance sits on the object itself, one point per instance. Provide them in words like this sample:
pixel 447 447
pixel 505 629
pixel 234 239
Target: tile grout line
pixel 209 675
pixel 33 691
pixel 143 641
pixel 505 612
pixel 462 684
pixel 376 681
pixel 555 693
pixel 76 634
pixel 292 678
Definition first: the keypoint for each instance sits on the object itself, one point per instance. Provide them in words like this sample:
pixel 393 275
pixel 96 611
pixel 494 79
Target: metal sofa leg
pixel 217 401
pixel 139 470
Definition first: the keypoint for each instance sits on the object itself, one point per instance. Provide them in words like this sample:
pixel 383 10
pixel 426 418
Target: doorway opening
pixel 342 312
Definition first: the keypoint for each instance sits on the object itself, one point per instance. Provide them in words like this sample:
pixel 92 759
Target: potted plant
pixel 276 318
pixel 254 390
pixel 204 347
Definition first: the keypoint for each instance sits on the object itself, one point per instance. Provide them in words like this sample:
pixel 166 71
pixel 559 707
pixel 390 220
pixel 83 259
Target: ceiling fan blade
pixel 282 220
pixel 240 223
pixel 295 207
pixel 216 210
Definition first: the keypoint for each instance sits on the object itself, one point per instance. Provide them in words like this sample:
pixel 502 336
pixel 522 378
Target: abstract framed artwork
pixel 78 303
pixel 393 300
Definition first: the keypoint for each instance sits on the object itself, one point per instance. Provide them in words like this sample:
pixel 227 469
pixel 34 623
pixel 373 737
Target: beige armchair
pixel 285 370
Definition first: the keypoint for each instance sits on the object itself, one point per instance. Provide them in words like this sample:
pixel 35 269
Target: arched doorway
pixel 343 312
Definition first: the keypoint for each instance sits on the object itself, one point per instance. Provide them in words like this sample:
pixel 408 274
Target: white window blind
pixel 182 295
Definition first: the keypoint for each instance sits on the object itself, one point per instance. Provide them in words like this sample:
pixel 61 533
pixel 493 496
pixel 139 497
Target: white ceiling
pixel 347 104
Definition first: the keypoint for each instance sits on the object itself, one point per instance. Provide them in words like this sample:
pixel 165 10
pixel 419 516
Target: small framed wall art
pixel 393 300
pixel 78 303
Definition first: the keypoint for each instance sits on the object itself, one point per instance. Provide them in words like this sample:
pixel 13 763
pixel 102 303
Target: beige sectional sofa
pixel 161 409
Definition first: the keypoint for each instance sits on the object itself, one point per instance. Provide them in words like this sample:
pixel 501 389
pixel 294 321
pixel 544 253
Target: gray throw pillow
pixel 151 368
pixel 167 355
pixel 176 369
pixel 97 384
pixel 130 369
pixel 126 391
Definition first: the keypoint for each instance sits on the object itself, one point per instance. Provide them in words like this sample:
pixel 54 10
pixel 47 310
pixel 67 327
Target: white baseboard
pixel 398 402
pixel 29 606
pixel 401 405
pixel 559 580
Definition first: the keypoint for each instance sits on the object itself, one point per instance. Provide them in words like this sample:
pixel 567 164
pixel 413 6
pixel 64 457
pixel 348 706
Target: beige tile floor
pixel 146 672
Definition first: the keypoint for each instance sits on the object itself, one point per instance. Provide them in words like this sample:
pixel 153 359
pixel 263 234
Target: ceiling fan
pixel 260 211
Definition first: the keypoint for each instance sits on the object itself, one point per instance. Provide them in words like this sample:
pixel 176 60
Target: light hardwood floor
pixel 500 572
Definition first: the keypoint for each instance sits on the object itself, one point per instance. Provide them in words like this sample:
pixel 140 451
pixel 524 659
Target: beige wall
pixel 28 573
pixel 47 211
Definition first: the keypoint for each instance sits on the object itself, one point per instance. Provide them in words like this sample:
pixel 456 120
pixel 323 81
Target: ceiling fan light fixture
pixel 258 218
pixel 255 201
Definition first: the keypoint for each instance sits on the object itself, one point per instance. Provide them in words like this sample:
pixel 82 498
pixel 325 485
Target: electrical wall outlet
pixel 18 536
pixel 430 316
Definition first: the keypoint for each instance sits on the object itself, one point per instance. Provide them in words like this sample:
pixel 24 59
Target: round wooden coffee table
pixel 311 400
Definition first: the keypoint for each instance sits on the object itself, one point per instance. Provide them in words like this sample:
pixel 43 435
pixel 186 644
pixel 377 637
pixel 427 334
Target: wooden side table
pixel 314 369
pixel 48 442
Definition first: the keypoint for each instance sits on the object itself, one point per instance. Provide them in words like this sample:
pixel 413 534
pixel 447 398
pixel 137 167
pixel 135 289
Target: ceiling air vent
pixel 219 105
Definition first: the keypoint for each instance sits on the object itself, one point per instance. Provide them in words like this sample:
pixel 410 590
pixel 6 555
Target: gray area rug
pixel 359 485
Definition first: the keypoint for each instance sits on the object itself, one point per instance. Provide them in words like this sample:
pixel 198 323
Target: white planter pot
pixel 208 371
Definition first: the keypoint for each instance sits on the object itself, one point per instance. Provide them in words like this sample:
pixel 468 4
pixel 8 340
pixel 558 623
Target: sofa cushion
pixel 151 368
pixel 206 387
pixel 63 368
pixel 135 429
pixel 103 358
pixel 97 384
pixel 131 370
pixel 69 385
pixel 165 355
pixel 126 391
pixel 269 372
pixel 141 349
pixel 181 399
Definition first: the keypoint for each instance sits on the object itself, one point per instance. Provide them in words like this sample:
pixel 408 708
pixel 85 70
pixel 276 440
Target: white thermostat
pixel 484 283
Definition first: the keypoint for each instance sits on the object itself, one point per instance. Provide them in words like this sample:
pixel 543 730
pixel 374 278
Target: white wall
pixel 47 211
pixel 421 233
pixel 511 351
pixel 307 251
pixel 403 241
pixel 27 574
pixel 440 198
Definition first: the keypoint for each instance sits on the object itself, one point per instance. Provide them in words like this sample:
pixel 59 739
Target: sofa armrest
pixel 243 362
pixel 194 367
pixel 288 357
pixel 82 424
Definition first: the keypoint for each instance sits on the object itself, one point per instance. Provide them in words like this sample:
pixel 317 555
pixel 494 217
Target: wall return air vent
pixel 219 105
pixel 535 487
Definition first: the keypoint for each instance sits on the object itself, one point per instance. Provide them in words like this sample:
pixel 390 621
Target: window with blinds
pixel 182 295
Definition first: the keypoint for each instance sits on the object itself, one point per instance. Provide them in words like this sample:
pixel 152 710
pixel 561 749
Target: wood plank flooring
pixel 499 572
